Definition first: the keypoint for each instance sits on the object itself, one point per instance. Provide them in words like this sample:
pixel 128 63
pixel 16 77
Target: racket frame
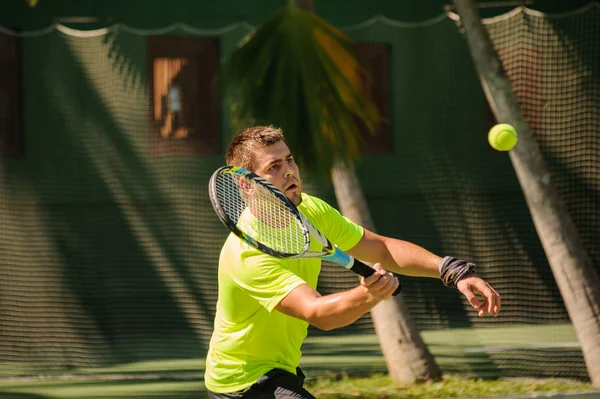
pixel 330 252
pixel 231 225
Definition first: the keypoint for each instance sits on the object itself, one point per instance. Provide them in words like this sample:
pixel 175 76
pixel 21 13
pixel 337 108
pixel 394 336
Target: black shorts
pixel 276 384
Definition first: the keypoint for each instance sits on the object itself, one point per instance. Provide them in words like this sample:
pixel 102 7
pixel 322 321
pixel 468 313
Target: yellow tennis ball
pixel 503 137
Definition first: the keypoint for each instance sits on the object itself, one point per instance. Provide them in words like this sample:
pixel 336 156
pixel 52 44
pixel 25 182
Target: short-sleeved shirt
pixel 249 337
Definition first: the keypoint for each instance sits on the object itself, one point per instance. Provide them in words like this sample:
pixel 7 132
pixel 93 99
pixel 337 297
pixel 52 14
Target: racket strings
pixel 258 213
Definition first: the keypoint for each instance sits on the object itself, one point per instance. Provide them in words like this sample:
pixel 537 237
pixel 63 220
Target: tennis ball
pixel 502 137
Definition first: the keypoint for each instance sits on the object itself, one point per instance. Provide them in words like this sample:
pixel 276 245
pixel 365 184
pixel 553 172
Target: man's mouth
pixel 292 186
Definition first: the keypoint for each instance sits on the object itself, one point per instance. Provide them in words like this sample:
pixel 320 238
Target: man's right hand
pixel 380 284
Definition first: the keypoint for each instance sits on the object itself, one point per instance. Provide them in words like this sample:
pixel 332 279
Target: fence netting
pixel 108 251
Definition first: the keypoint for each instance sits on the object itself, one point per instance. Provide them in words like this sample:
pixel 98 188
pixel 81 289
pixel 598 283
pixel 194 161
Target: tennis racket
pixel 261 215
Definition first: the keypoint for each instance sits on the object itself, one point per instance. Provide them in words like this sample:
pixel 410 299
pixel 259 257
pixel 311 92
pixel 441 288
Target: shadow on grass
pixel 17 395
pixel 98 389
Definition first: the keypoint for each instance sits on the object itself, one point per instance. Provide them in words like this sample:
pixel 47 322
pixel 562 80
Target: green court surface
pixel 536 351
pixel 520 351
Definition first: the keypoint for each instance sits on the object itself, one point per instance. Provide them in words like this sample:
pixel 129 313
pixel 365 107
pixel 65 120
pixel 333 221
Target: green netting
pixel 108 252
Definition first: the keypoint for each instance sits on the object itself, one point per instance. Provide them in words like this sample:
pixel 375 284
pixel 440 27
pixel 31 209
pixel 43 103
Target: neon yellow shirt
pixel 249 337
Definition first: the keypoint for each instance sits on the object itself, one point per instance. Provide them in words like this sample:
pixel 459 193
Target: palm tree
pixel 299 73
pixel 571 265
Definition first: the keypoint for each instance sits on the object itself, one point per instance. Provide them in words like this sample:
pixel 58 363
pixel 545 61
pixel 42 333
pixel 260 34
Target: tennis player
pixel 265 303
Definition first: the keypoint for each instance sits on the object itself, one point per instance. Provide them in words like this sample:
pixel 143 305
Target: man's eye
pixel 291 160
pixel 273 167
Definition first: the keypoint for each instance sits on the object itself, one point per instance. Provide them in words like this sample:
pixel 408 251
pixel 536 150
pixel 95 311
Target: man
pixel 266 304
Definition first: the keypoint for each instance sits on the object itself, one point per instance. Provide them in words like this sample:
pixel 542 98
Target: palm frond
pixel 299 73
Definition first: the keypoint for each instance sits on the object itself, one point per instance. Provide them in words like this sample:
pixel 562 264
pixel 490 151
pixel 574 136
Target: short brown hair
pixel 241 149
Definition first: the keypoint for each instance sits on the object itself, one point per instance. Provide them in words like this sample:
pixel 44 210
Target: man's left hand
pixel 470 286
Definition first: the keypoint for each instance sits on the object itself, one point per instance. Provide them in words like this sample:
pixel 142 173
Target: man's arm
pixel 342 308
pixel 396 256
pixel 409 259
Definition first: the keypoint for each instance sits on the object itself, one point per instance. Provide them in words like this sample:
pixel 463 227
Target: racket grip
pixel 364 270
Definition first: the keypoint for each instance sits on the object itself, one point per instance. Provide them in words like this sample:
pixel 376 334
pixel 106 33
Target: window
pixel 11 141
pixel 376 57
pixel 184 96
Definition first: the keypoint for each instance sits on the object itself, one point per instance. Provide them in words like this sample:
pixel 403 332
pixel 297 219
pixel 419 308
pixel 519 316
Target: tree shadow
pixel 121 277
pixel 142 281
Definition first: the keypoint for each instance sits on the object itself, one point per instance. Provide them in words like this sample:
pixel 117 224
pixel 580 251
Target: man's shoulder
pixel 237 253
pixel 235 246
pixel 311 204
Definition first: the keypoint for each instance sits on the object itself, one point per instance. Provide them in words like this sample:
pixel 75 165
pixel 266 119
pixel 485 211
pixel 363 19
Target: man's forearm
pixel 410 259
pixel 342 308
pixel 397 256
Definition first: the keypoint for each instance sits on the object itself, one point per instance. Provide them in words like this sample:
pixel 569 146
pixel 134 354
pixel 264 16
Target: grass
pixel 380 386
pixel 332 386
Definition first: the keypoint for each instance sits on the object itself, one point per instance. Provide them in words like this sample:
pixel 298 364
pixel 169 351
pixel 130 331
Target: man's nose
pixel 289 172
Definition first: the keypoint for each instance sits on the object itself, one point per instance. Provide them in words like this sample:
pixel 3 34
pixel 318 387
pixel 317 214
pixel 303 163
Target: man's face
pixel 276 164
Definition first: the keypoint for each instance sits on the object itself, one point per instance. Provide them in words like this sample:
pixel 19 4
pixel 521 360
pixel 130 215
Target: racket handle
pixel 364 270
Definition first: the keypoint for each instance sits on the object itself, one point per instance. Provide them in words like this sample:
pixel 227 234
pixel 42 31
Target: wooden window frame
pixel 11 137
pixel 185 118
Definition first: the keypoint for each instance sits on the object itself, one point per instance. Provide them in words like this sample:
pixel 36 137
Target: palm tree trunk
pixel 571 265
pixel 407 357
